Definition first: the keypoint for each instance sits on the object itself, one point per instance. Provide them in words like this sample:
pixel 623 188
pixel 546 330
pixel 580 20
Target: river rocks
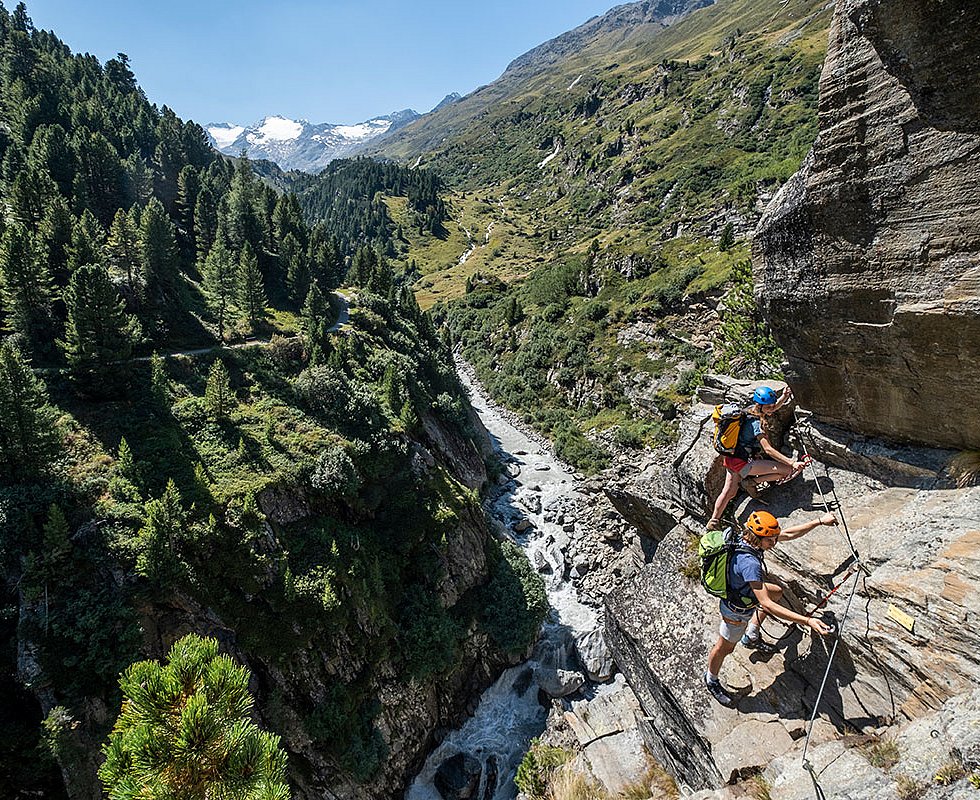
pixel 594 655
pixel 458 778
pixel 558 682
pixel 530 499
pixel 868 258
pixel 523 525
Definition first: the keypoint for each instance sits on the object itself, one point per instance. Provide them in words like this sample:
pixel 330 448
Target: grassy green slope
pixel 610 176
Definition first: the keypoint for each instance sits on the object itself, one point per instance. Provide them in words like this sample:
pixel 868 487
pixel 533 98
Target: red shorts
pixel 736 465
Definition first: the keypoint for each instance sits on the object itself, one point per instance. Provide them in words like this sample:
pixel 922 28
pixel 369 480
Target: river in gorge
pixel 509 714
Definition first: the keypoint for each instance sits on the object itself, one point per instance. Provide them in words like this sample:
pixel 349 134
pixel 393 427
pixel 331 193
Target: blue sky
pixel 339 61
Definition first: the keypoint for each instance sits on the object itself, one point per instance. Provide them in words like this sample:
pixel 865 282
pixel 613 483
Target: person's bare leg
pixel 765 469
pixel 718 654
pixel 727 493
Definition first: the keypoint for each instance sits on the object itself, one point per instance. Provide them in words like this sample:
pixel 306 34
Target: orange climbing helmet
pixel 762 523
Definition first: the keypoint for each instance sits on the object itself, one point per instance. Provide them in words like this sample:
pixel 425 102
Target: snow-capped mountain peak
pixel 298 144
pixel 277 129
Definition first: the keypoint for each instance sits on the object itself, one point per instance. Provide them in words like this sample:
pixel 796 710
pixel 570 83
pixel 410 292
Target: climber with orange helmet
pixel 756 460
pixel 751 598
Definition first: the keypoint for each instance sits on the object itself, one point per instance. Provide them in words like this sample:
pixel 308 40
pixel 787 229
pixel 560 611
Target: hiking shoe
pixel 718 691
pixel 756 643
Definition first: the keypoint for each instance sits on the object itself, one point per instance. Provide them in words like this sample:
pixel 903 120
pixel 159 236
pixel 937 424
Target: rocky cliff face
pixel 918 538
pixel 868 258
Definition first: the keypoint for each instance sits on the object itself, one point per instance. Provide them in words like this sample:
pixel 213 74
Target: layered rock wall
pixel 869 259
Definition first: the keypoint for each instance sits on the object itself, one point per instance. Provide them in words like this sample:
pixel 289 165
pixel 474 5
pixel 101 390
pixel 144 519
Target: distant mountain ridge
pixel 620 27
pixel 624 19
pixel 299 144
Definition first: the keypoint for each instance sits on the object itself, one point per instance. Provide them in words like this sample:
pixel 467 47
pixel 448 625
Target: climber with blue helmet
pixel 756 460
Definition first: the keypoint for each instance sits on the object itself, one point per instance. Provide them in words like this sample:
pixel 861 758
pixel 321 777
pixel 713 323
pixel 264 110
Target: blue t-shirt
pixel 743 569
pixel 748 435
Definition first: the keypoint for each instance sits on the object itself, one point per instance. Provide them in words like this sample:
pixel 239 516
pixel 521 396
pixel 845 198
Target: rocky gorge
pixel 865 266
pixel 293 683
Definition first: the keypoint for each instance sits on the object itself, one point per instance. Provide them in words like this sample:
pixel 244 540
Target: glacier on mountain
pixel 299 144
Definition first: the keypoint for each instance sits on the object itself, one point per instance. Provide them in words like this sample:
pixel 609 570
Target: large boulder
pixel 458 777
pixel 869 258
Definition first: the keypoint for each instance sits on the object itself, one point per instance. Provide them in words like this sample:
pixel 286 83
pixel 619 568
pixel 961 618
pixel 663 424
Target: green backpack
pixel 716 549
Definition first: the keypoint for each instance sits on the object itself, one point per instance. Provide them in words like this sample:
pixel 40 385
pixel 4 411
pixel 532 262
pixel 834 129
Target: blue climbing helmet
pixel 764 396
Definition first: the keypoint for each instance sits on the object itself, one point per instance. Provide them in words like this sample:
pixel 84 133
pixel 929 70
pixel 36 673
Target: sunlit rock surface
pixel 869 259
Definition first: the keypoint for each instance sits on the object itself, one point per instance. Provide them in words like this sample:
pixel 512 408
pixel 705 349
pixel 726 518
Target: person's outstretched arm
pixel 796 531
pixel 770 606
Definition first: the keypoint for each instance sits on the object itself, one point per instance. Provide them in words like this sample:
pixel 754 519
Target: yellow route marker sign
pixel 903 619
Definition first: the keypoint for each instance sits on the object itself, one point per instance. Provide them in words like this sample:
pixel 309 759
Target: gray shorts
pixel 733 620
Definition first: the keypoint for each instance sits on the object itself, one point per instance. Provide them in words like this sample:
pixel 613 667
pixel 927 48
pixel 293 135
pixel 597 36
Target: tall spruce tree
pixel 122 251
pixel 25 286
pixel 54 238
pixel 188 187
pixel 220 281
pixel 158 253
pixel 185 731
pixel 218 397
pixel 160 538
pixel 29 437
pixel 205 222
pixel 316 316
pixel 87 239
pixel 242 220
pixel 98 335
pixel 251 290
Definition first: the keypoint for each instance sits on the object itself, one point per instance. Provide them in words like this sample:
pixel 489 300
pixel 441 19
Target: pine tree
pixel 185 730
pixel 99 181
pixel 160 537
pixel 218 396
pixel 87 238
pixel 122 249
pixel 32 192
pixel 49 151
pixel 727 238
pixel 746 346
pixel 251 291
pixel 159 383
pixel 57 545
pixel 126 479
pixel 297 269
pixel 54 238
pixel 205 222
pixel 362 267
pixel 243 223
pixel 158 253
pixel 29 436
pixel 25 287
pixel 138 181
pixel 188 188
pixel 220 281
pixel 315 316
pixel 98 334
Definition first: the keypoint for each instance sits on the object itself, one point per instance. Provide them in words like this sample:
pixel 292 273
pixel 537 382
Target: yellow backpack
pixel 728 419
